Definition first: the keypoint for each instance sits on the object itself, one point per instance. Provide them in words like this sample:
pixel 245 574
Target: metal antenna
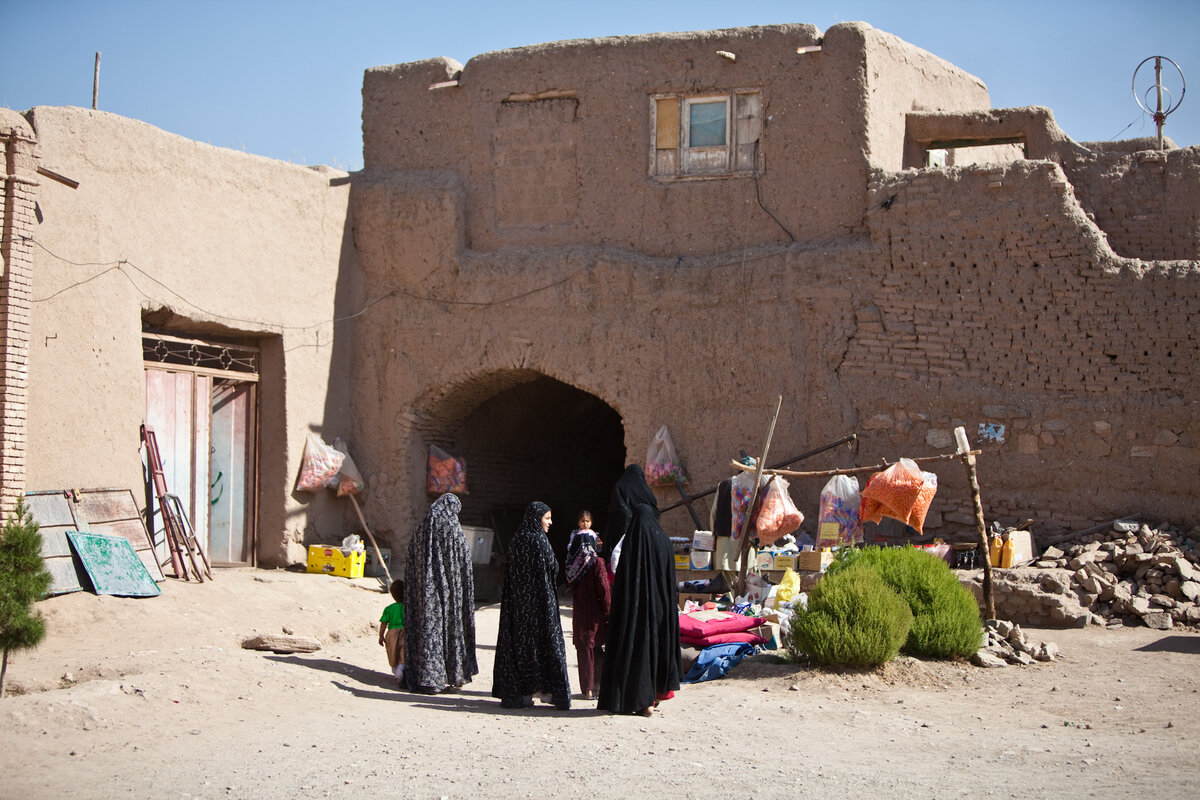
pixel 1159 113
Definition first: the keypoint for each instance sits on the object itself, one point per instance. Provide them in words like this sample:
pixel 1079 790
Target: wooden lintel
pixel 443 85
pixel 63 179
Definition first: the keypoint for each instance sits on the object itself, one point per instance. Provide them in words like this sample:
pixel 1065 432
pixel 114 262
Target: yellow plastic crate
pixel 339 561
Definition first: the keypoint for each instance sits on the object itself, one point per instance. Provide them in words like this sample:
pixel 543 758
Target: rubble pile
pixel 1129 574
pixel 1005 643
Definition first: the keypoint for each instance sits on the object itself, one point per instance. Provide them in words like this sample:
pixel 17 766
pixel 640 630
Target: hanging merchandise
pixel 318 465
pixel 741 487
pixel 348 479
pixel 778 515
pixel 839 523
pixel 902 492
pixel 446 473
pixel 663 467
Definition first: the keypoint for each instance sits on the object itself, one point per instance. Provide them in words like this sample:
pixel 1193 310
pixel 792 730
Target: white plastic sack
pixel 662 462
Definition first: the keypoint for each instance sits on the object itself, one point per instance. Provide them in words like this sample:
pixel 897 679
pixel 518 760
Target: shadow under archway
pixel 540 439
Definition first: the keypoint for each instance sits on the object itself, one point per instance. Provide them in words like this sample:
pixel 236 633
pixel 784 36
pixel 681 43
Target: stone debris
pixel 1005 643
pixel 1126 574
pixel 281 644
pixel 1131 574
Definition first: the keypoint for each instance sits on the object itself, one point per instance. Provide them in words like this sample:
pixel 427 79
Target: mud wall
pixel 206 242
pixel 912 301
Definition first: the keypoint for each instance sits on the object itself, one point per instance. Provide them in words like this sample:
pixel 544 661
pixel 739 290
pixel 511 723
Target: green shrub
pixel 853 619
pixel 23 581
pixel 945 614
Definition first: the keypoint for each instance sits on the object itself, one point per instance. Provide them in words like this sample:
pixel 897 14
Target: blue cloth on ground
pixel 713 662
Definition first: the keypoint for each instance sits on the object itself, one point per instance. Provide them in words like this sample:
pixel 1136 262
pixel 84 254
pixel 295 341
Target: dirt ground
pixel 155 698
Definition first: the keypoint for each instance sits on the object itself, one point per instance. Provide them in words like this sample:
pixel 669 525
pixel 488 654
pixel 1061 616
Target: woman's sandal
pixel 646 712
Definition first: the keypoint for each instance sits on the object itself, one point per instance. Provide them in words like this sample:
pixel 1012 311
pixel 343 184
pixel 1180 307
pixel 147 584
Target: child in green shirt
pixel 391 631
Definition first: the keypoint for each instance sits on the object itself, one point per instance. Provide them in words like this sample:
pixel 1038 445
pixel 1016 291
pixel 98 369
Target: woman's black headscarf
pixel 642 659
pixel 629 491
pixel 531 656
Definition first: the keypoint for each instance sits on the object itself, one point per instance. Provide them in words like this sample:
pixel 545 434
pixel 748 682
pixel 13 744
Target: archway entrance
pixel 539 440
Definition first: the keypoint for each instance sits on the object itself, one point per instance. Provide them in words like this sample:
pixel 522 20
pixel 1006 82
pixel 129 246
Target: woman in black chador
pixel 531 657
pixel 439 601
pixel 641 658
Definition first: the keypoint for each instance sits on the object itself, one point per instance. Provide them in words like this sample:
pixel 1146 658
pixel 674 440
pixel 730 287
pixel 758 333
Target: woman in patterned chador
pixel 531 657
pixel 439 600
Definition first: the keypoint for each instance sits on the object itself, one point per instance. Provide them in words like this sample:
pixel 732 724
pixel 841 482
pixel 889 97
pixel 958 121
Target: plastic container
pixel 994 548
pixel 1006 553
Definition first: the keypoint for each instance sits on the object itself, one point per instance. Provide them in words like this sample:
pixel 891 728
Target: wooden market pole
pixel 371 536
pixel 968 459
pixel 747 520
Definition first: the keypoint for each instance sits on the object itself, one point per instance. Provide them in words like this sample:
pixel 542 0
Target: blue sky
pixel 284 79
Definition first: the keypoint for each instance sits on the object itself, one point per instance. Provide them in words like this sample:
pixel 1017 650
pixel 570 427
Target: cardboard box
pixel 704 540
pixel 784 561
pixel 340 561
pixel 813 560
pixel 683 561
pixel 766 561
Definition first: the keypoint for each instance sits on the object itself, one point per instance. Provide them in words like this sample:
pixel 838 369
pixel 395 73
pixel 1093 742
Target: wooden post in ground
pixel 968 459
pixel 747 520
pixel 371 536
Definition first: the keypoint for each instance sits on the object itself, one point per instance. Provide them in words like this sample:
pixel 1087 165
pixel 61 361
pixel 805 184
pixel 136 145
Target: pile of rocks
pixel 1129 574
pixel 1005 643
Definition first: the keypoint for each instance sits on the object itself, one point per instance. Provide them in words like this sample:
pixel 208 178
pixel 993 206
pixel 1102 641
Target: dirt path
pixel 165 703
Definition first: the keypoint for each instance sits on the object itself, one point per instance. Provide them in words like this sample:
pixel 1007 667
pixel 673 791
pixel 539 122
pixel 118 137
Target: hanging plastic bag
pixel 446 473
pixel 839 522
pixel 902 492
pixel 662 463
pixel 778 515
pixel 348 479
pixel 741 487
pixel 318 464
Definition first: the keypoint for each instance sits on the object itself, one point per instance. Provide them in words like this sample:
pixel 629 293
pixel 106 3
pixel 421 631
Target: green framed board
pixel 112 565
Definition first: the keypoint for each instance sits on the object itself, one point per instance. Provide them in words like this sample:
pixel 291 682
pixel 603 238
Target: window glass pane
pixel 706 124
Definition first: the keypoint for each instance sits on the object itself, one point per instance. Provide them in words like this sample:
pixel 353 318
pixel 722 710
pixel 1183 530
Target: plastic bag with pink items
pixel 902 491
pixel 348 480
pixel 839 523
pixel 319 464
pixel 446 473
pixel 662 462
pixel 778 515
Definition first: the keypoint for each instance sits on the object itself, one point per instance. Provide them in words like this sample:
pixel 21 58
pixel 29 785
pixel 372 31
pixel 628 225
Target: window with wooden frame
pixel 705 136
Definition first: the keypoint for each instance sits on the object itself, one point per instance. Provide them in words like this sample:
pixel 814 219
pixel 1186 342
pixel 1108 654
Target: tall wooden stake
pixel 96 83
pixel 964 450
pixel 747 520
pixel 371 536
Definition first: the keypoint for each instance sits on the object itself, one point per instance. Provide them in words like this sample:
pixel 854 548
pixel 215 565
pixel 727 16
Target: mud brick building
pixel 552 251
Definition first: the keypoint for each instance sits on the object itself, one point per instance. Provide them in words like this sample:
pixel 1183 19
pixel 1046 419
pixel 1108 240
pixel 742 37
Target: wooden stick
pixel 371 536
pixel 968 458
pixel 830 472
pixel 740 587
pixel 776 465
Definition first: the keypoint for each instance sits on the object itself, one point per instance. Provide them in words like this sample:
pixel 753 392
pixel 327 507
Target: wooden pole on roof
pixel 968 459
pixel 747 519
pixel 96 83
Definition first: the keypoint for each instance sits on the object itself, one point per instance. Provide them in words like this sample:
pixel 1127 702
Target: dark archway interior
pixel 540 440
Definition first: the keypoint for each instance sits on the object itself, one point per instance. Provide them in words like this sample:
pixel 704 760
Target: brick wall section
pixel 996 300
pixel 1148 202
pixel 18 147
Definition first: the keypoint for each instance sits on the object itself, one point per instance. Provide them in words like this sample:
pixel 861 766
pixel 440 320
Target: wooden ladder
pixel 181 539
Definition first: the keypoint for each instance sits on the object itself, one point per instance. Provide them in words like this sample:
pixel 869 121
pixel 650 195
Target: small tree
pixel 23 580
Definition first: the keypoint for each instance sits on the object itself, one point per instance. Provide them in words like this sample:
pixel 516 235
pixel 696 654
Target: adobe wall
pixel 1146 201
pixel 209 242
pixel 965 296
pixel 552 142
